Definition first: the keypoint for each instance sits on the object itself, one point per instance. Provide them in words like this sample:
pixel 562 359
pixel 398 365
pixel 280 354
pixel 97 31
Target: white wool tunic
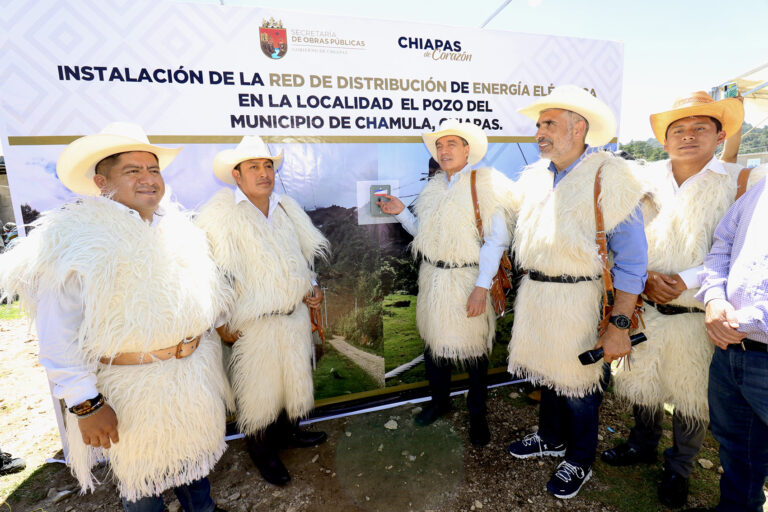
pixel 144 287
pixel 673 365
pixel 448 233
pixel 270 265
pixel 555 235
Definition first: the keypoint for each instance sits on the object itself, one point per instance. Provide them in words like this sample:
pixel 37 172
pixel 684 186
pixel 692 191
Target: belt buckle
pixel 743 348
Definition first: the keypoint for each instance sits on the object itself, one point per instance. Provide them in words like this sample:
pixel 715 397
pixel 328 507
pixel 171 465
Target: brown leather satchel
pixel 608 290
pixel 501 281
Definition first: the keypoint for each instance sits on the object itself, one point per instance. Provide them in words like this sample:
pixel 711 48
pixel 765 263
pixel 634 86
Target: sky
pixel 671 47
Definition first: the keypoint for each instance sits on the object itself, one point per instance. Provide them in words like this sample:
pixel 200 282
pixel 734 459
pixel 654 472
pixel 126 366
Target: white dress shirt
pixel 497 240
pixel 690 276
pixel 59 316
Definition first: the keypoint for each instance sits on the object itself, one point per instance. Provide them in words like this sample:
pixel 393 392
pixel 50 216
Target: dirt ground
pixel 365 466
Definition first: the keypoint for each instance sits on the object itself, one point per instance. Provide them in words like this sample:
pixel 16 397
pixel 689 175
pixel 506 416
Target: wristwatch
pixel 621 321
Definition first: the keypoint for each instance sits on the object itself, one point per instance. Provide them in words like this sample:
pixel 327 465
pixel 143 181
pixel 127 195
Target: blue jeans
pixel 738 412
pixel 572 421
pixel 194 497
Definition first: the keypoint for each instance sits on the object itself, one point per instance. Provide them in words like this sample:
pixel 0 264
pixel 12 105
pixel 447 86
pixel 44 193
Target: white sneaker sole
pixel 574 493
pixel 550 453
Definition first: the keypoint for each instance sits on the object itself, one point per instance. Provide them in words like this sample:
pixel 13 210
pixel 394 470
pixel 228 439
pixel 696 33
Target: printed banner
pixel 346 100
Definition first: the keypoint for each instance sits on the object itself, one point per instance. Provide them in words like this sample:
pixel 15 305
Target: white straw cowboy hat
pixel 77 163
pixel 250 148
pixel 473 134
pixel 602 122
pixel 729 111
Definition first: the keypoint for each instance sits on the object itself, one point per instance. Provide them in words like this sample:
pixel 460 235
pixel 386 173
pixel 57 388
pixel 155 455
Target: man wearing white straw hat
pixel 454 312
pixel 266 244
pixel 558 304
pixel 691 193
pixel 125 293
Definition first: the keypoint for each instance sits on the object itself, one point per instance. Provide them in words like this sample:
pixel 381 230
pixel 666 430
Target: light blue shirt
pixel 626 241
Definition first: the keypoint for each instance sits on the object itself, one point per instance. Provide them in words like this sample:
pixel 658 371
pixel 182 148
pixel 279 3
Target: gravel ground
pixel 364 466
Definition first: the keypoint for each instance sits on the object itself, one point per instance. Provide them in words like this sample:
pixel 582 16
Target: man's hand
pixel 392 207
pixel 99 428
pixel 615 343
pixel 226 335
pixel 721 322
pixel 315 298
pixel 662 288
pixel 476 302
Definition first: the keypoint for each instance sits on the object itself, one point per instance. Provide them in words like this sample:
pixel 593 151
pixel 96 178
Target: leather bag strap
pixel 602 244
pixel 741 183
pixel 473 188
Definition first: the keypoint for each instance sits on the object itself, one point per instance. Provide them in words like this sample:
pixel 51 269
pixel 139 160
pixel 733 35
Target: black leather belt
pixel 666 309
pixel 544 278
pixel 445 264
pixel 280 313
pixel 750 345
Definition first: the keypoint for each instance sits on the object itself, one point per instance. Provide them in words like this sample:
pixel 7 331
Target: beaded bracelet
pixel 88 407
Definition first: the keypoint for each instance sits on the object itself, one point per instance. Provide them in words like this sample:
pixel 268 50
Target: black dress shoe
pixel 625 455
pixel 430 414
pixel 479 435
pixel 273 470
pixel 306 438
pixel 673 489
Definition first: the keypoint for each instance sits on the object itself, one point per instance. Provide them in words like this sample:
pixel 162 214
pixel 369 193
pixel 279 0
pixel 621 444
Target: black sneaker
pixel 567 480
pixel 10 464
pixel 533 446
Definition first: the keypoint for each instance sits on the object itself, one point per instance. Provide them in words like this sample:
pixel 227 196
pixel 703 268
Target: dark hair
pixel 105 164
pixel 718 124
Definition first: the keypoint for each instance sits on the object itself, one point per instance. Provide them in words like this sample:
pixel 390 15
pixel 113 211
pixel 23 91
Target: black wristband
pixel 88 407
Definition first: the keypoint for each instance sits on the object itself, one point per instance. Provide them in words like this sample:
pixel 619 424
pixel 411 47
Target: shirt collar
pixel 274 200
pixel 587 151
pixel 159 211
pixel 455 176
pixel 713 165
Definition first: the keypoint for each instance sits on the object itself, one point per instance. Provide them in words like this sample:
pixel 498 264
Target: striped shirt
pixel 736 268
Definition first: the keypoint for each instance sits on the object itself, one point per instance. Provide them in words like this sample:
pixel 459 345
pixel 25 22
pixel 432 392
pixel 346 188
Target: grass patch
pixel 11 311
pixel 28 486
pixel 634 488
pixel 336 375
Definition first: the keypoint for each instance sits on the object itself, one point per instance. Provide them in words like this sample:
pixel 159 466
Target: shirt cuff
pixel 713 293
pixel 405 216
pixel 484 281
pixel 691 277
pixel 629 283
pixel 83 392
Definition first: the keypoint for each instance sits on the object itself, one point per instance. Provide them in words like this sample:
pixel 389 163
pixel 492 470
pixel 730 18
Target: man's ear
pixel 721 136
pixel 236 175
pixel 100 182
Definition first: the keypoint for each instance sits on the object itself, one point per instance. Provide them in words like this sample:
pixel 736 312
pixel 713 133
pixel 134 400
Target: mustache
pixel 539 141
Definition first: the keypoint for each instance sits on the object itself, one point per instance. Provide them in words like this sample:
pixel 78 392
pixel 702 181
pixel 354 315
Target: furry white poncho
pixel 448 232
pixel 555 235
pixel 144 288
pixel 673 365
pixel 270 265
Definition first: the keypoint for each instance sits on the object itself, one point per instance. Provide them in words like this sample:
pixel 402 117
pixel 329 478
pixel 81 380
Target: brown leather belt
pixel 183 349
